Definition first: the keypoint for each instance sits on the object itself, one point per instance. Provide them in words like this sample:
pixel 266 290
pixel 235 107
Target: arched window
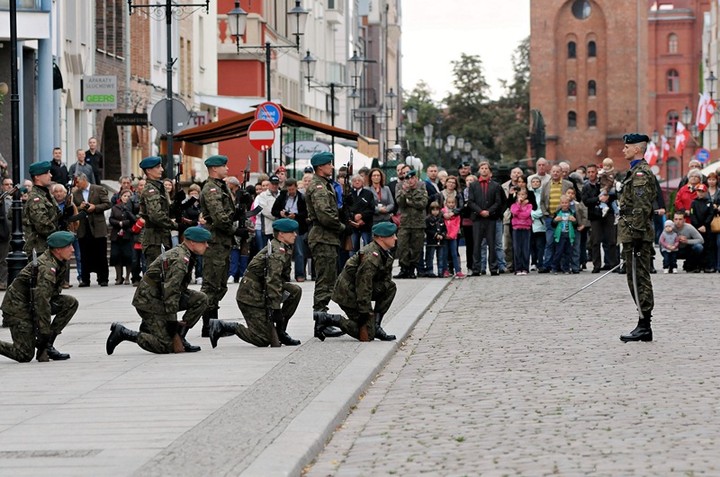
pixel 572 88
pixel 672 44
pixel 572 49
pixel 673 81
pixel 592 88
pixel 592 49
pixel 672 119
pixel 581 9
pixel 572 119
pixel 592 119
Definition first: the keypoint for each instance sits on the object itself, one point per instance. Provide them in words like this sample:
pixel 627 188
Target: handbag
pixel 715 224
pixel 348 244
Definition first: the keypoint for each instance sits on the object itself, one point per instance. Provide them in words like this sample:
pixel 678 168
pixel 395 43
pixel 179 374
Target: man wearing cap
pixel 218 208
pixel 636 232
pixel 325 229
pixel 411 200
pixel 367 277
pixel 155 210
pixel 161 294
pixel 281 174
pixel 28 311
pixel 265 288
pixel 40 214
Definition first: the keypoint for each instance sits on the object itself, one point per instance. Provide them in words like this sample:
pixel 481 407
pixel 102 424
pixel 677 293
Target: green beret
pixel 635 138
pixel 214 161
pixel 38 168
pixel 322 158
pixel 150 162
pixel 285 225
pixel 60 239
pixel 410 173
pixel 384 229
pixel 197 234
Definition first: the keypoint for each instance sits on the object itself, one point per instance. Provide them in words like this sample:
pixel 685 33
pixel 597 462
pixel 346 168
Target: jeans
pixel 575 255
pixel 299 256
pixel 234 264
pixel 521 249
pixel 260 239
pixel 449 248
pixel 358 236
pixel 669 259
pixel 431 251
pixel 549 254
pixel 562 254
pixel 499 251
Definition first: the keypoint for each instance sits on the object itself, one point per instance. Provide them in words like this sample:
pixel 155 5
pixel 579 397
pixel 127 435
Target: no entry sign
pixel 261 134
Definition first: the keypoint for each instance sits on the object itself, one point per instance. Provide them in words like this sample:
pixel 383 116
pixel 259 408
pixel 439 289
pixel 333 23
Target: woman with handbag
pixel 122 220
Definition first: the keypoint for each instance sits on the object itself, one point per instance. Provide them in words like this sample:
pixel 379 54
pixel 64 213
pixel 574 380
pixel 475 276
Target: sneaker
pixel 666 271
pixel 198 281
pixel 459 275
pixel 446 274
pixel 230 280
pixel 533 268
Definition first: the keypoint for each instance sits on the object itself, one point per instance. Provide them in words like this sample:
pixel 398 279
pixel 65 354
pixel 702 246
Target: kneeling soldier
pixel 367 277
pixel 163 291
pixel 33 297
pixel 265 297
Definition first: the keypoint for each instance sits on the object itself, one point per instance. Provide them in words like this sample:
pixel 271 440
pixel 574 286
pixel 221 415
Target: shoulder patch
pixel 212 189
pixel 375 254
pixel 186 260
pixel 319 186
pixel 52 269
pixel 151 191
pixel 281 249
pixel 36 199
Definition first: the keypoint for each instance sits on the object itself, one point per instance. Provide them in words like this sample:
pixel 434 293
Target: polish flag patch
pixel 186 260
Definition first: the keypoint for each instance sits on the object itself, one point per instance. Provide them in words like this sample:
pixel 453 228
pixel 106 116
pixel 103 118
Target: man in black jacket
pixel 359 210
pixel 58 170
pixel 290 204
pixel 603 230
pixel 486 200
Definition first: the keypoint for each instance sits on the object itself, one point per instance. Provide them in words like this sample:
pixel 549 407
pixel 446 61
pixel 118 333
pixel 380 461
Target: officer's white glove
pixel 618 186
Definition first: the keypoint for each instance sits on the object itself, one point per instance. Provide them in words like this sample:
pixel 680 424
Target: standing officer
pixel 40 214
pixel 367 277
pixel 218 208
pixel 265 287
pixel 412 201
pixel 155 210
pixel 162 293
pixel 325 230
pixel 636 233
pixel 27 310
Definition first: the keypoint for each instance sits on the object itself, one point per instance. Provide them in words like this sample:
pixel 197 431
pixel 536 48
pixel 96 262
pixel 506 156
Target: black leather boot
pixel 379 332
pixel 285 338
pixel 642 331
pixel 210 314
pixel 53 353
pixel 404 273
pixel 183 332
pixel 42 348
pixel 327 325
pixel 118 334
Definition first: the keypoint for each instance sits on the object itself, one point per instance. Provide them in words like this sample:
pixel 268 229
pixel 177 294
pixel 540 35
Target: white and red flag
pixel 682 136
pixel 664 149
pixel 705 111
pixel 651 153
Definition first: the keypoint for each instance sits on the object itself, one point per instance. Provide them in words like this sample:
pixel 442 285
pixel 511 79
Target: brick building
pixel 610 70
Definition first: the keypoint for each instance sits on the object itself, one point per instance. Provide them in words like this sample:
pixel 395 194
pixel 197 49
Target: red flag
pixel 665 148
pixel 682 136
pixel 705 111
pixel 651 153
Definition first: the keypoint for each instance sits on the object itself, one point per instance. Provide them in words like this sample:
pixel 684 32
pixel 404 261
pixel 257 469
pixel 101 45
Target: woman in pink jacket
pixel 521 223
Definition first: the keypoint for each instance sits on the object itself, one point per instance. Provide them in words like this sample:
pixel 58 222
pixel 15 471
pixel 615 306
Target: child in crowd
pixel 537 241
pixel 669 244
pixel 521 222
pixel 451 216
pixel 581 217
pixel 564 236
pixel 606 176
pixel 435 233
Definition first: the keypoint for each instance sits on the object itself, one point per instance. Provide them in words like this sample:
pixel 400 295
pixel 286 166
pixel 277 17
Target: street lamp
pixel 428 130
pixel 686 115
pixel 169 11
pixel 237 24
pixel 451 141
pixel 711 83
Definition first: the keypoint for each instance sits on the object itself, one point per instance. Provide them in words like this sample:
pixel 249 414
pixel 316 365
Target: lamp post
pixel 169 10
pixel 411 117
pixel 17 258
pixel 428 131
pixel 237 23
pixel 669 130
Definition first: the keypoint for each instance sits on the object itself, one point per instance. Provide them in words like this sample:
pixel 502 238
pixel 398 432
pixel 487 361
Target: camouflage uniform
pixel 40 218
pixel 251 294
pixel 48 302
pixel 159 310
pixel 155 209
pixel 412 204
pixel 323 237
pixel 635 229
pixel 367 277
pixel 218 209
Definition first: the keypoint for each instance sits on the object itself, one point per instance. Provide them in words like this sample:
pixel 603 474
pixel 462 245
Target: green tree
pixel 420 99
pixel 513 108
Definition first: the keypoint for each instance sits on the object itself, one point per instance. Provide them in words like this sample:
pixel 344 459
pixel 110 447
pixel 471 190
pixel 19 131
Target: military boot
pixel 53 353
pixel 642 331
pixel 219 329
pixel 379 332
pixel 42 345
pixel 404 273
pixel 285 338
pixel 326 325
pixel 183 332
pixel 210 314
pixel 118 334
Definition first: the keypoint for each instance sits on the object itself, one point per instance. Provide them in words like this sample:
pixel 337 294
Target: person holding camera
pixel 92 201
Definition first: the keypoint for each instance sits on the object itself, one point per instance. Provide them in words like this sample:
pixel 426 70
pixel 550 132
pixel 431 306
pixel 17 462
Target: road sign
pixel 271 112
pixel 261 134
pixel 702 155
pixel 158 115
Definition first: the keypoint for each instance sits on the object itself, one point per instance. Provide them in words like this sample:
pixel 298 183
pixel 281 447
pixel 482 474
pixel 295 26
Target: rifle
pixel 246 174
pixel 163 267
pixel 9 192
pixel 40 342
pixel 172 326
pixel 274 340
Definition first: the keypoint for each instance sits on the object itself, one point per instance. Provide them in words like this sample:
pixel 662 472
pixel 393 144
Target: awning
pixel 236 126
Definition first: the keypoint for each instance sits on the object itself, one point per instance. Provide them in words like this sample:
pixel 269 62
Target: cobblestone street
pixel 500 378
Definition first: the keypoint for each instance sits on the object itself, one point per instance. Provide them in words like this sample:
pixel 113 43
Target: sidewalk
pixel 232 410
